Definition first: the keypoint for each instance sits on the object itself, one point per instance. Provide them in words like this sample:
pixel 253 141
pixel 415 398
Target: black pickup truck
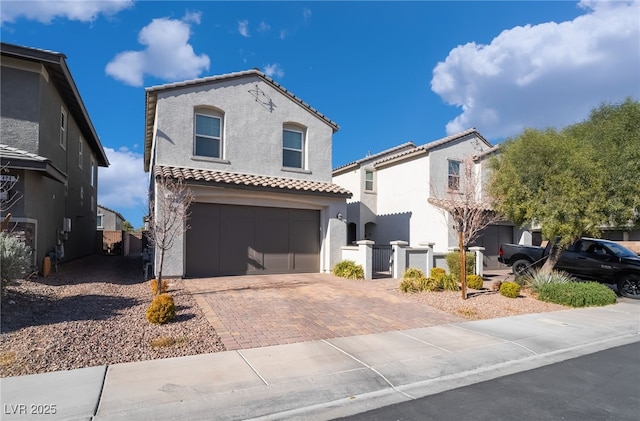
pixel 588 258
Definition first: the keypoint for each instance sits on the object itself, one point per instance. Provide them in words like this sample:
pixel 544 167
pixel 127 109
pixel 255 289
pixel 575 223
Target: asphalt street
pixel 600 386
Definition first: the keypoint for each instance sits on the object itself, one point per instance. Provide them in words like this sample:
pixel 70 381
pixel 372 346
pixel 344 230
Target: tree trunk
pixel 550 263
pixel 159 279
pixel 463 266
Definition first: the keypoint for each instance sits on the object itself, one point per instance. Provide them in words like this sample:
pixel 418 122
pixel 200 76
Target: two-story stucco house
pixel 391 191
pixel 258 161
pixel 109 220
pixel 50 149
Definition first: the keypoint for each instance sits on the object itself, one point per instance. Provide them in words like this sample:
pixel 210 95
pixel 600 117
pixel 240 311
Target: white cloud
pixel 264 27
pixel 46 10
pixel 167 54
pixel 123 185
pixel 546 75
pixel 306 13
pixel 284 33
pixel 273 70
pixel 243 28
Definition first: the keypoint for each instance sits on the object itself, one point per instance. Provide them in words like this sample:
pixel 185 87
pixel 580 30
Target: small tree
pixel 574 181
pixel 8 195
pixel 471 210
pixel 169 215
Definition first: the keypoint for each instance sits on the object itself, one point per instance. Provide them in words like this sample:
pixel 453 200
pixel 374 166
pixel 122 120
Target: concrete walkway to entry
pixel 263 310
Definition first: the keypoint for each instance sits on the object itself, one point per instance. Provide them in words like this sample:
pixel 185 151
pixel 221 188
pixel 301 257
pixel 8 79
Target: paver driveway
pixel 254 311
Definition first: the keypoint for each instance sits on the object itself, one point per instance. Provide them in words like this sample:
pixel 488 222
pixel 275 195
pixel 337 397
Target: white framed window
pixel 453 182
pixel 63 128
pixel 293 148
pixel 99 221
pixel 80 150
pixel 207 135
pixel 368 180
pixel 93 173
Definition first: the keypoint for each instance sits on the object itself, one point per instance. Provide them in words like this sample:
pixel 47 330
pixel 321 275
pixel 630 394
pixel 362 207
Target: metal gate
pixel 381 259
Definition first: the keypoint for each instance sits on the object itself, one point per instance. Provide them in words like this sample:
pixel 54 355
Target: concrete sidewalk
pixel 320 379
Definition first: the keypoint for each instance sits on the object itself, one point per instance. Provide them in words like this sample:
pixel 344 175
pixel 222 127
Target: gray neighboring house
pixel 258 160
pixel 109 220
pixel 49 145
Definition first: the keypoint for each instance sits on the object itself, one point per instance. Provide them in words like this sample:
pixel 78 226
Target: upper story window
pixel 454 175
pixel 99 221
pixel 81 196
pixel 293 147
pixel 208 134
pixel 368 180
pixel 63 128
pixel 80 147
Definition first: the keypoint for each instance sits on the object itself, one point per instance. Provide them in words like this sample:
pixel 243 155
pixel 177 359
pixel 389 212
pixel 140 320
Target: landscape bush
pixel 577 294
pixel 538 279
pixel 437 273
pixel 475 282
pixel 510 289
pixel 348 269
pixel 453 261
pixel 15 258
pixel 154 286
pixel 162 309
pixel 412 273
pixel 448 283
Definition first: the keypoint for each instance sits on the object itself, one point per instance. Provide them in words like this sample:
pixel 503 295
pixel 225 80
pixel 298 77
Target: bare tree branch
pixel 471 211
pixel 8 195
pixel 169 215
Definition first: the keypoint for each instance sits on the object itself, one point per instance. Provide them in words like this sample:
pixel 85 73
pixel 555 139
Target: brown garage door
pixel 238 240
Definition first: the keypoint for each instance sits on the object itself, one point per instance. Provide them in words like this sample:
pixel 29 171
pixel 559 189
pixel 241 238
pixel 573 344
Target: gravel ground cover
pixel 92 312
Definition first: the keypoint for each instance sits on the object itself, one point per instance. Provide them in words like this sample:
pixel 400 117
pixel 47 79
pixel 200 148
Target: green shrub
pixel 475 281
pixel 162 309
pixel 419 284
pixel 538 279
pixel 447 283
pixel 510 289
pixel 412 273
pixel 15 258
pixel 453 261
pixel 437 273
pixel 521 280
pixel 577 294
pixel 348 269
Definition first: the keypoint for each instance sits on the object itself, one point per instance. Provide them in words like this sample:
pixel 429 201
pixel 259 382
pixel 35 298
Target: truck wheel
pixel 521 267
pixel 629 286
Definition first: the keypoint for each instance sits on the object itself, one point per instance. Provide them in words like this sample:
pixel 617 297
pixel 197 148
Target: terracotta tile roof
pixel 407 146
pixel 252 181
pixel 432 145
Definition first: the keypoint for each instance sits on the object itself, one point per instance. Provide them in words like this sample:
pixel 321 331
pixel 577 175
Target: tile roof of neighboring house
pixel 118 214
pixel 56 66
pixel 490 151
pixel 432 145
pixel 151 100
pixel 369 158
pixel 23 160
pixel 251 181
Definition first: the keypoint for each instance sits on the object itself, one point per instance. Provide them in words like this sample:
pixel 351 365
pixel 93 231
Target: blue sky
pixel 386 72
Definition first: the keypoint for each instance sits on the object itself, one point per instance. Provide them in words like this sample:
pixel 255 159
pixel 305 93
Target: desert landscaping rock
pixel 92 312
